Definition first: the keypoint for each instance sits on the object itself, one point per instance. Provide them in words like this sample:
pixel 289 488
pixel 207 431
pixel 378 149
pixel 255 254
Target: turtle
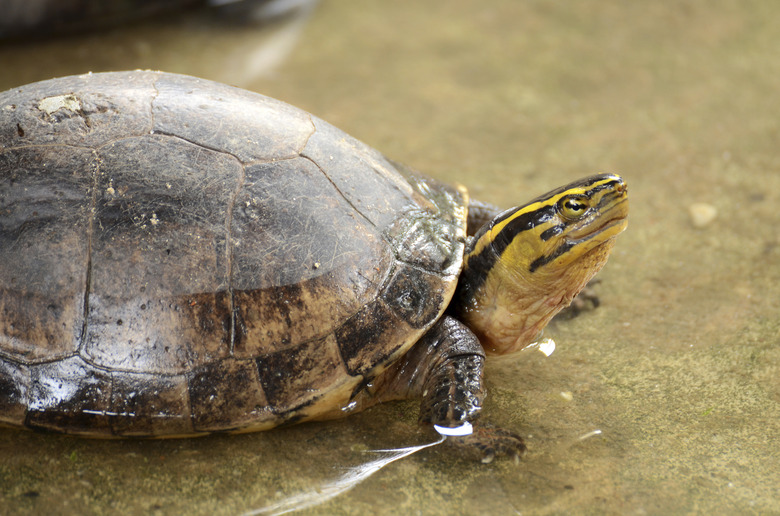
pixel 180 257
pixel 27 20
pixel 44 18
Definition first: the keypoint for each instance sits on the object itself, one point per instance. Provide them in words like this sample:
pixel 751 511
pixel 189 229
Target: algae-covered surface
pixel 664 400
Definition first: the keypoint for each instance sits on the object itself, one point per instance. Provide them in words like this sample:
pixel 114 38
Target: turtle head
pixel 529 262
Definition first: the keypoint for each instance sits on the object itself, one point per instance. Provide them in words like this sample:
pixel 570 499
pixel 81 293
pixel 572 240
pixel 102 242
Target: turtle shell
pixel 179 256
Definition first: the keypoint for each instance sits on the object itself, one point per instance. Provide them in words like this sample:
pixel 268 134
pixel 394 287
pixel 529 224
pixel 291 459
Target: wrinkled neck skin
pixel 512 305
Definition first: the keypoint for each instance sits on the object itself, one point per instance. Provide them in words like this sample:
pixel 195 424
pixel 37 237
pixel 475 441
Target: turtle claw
pixel 487 443
pixel 587 299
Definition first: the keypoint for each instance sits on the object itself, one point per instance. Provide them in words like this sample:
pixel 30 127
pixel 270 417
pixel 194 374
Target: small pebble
pixel 702 214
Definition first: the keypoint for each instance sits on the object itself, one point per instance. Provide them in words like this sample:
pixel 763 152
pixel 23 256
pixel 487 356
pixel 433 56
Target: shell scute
pixel 247 125
pixel 15 382
pixel 149 404
pixel 236 401
pixel 70 396
pixel 292 378
pixel 71 111
pixel 44 215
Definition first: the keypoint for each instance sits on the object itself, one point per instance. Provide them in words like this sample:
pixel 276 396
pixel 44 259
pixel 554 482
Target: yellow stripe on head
pixel 550 218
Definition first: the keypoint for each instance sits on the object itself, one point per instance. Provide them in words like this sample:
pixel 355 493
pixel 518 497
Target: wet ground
pixel 679 368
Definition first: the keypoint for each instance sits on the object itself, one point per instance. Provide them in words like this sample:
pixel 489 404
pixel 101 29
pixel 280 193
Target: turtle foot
pixel 587 299
pixel 488 442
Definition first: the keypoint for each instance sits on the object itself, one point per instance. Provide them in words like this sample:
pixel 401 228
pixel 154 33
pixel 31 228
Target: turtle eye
pixel 573 207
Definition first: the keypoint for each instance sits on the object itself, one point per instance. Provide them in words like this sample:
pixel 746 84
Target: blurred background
pixel 664 400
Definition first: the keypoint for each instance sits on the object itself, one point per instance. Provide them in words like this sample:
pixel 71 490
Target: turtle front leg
pixel 587 299
pixel 453 388
pixel 445 368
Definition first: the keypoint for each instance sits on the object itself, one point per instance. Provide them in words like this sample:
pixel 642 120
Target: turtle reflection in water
pixel 179 257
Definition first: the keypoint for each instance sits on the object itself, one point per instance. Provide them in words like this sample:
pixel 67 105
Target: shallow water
pixel 679 368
